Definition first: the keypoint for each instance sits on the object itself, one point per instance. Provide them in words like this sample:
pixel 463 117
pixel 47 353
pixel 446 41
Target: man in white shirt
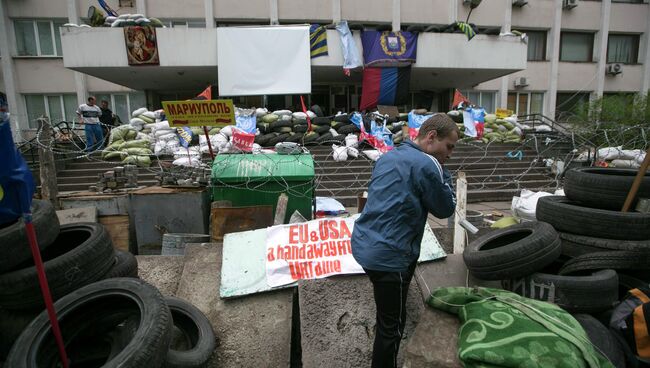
pixel 89 114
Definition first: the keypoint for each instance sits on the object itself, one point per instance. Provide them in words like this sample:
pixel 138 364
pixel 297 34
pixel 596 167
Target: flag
pixel 16 181
pixel 458 99
pixel 468 29
pixel 389 48
pixel 385 86
pixel 317 41
pixel 205 95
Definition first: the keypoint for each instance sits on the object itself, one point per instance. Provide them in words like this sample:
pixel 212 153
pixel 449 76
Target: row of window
pixel 579 46
pixel 63 107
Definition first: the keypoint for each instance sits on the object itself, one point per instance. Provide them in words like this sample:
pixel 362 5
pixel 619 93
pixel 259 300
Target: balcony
pixel 188 58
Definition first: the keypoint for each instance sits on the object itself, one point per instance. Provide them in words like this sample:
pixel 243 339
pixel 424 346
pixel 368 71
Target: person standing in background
pixel 107 119
pixel 89 114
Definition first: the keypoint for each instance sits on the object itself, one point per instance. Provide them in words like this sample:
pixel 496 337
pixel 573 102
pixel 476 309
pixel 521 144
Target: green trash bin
pixel 254 180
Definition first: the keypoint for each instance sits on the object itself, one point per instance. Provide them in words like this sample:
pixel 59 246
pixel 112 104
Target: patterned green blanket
pixel 503 329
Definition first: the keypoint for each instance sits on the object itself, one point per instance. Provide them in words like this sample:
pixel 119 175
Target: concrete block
pixel 74 215
pixel 252 331
pixel 163 272
pixel 337 321
pixel 434 342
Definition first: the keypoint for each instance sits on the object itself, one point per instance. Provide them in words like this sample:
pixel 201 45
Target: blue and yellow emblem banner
pixel 317 41
pixel 389 48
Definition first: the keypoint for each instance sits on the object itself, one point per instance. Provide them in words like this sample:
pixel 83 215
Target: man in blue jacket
pixel 407 184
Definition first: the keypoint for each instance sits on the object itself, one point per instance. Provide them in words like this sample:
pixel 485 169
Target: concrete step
pixel 73 187
pixel 466 165
pixel 96 171
pixel 341 180
pixel 92 179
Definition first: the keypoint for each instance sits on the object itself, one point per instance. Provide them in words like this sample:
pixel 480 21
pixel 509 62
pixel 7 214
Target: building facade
pixel 575 50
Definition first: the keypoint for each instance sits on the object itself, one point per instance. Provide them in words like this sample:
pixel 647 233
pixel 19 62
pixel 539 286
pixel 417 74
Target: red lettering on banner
pixel 345 231
pixel 269 255
pixel 341 247
pixel 172 109
pixel 226 109
pixel 322 230
pixel 332 248
pixel 293 233
pixel 337 265
pixel 213 108
pixel 334 233
pixel 186 108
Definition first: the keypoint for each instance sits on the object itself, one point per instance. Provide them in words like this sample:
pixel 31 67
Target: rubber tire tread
pixel 317 110
pixel 568 216
pixel 343 118
pixel 282 130
pixel 577 294
pixel 126 265
pixel 199 355
pixel 12 324
pixel 311 138
pixel 617 260
pixel 574 245
pixel 604 188
pixel 280 138
pixel 347 129
pixel 519 258
pixel 14 246
pixel 320 129
pixel 84 264
pixel 602 338
pixel 147 348
pixel 263 140
pixel 279 124
pixel 321 121
pixel 296 138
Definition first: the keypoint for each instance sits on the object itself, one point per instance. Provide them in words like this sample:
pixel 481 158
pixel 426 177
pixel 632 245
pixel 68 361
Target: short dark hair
pixel 102 101
pixel 91 98
pixel 441 123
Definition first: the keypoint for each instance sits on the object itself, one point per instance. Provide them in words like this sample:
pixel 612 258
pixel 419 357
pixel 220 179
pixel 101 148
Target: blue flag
pixel 184 136
pixel 16 181
pixel 317 41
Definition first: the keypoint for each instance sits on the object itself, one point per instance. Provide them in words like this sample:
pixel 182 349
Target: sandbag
pixel 141 161
pixel 340 153
pixel 139 111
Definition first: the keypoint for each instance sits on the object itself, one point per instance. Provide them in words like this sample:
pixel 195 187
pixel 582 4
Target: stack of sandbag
pixel 621 158
pixel 129 146
pixel 127 20
pixel 140 117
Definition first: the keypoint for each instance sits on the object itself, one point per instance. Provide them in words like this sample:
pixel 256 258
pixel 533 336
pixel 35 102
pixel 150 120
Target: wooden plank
pixel 49 189
pixel 459 214
pixel 281 209
pixel 637 182
pixel 236 219
pixel 74 215
pixel 107 205
pixel 118 229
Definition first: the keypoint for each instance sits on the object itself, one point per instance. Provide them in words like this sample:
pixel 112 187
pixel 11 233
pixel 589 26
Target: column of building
pixel 7 45
pixel 601 49
pixel 645 85
pixel 505 80
pixel 80 82
pixel 556 28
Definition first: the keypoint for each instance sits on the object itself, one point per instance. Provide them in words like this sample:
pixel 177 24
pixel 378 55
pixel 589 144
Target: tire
pixel 627 283
pixel 600 337
pixel 278 139
pixel 617 260
pixel 568 216
pixel 263 127
pixel 343 118
pixel 310 137
pixel 282 130
pixel 12 324
pixel 512 252
pixel 338 125
pixel 321 121
pixel 14 246
pixel 300 122
pixel 279 124
pixel 92 312
pixel 296 138
pixel 125 265
pixel 263 140
pixel 81 254
pixel 320 129
pixel 347 129
pixel 197 332
pixel 592 293
pixel 604 188
pixel 300 128
pixel 325 138
pixel 575 245
pixel 317 110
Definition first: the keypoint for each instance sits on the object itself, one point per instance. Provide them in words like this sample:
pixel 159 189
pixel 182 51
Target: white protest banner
pixel 309 250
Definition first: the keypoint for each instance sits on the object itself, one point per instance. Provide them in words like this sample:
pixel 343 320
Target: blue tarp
pixel 16 181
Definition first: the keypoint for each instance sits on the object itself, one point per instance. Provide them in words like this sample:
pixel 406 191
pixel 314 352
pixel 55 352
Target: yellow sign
pixel 504 113
pixel 216 113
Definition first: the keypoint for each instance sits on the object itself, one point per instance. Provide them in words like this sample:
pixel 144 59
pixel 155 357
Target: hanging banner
pixel 309 250
pixel 389 48
pixel 141 45
pixel 385 86
pixel 216 113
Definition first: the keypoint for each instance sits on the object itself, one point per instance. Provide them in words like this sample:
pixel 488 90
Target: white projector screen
pixel 268 60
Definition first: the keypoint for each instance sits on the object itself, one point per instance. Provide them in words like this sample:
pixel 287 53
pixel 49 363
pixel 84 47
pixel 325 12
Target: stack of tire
pixel 105 312
pixel 582 254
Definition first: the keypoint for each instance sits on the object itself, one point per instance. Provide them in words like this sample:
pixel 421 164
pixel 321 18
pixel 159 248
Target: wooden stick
pixel 637 182
pixel 459 213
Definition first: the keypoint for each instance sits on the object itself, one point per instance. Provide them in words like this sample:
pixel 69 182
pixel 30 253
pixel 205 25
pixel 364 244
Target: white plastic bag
pixel 628 164
pixel 372 154
pixel 187 161
pixel 353 152
pixel 340 153
pixel 610 153
pixel 351 140
pixel 329 205
pixel 299 115
pixel 523 207
pixel 261 111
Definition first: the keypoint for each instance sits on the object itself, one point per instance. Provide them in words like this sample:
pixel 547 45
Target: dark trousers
pixel 390 290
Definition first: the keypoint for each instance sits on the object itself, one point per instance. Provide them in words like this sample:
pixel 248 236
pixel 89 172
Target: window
pixel 56 107
pixel 525 103
pixel 628 1
pixel 623 48
pixel 122 104
pixel 569 102
pixel 486 100
pixel 536 45
pixel 38 37
pixel 184 23
pixel 575 46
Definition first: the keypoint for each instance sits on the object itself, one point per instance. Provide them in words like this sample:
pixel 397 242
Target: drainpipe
pixel 336 11
pixel 209 14
pixel 507 22
pixel 396 15
pixel 603 34
pixel 141 7
pixel 15 102
pixel 80 83
pixel 645 85
pixel 555 59
pixel 273 12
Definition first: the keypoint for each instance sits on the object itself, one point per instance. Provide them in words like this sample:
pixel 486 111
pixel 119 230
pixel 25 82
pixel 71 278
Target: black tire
pixel 338 125
pixel 14 247
pixel 617 260
pixel 279 124
pixel 310 137
pixel 604 188
pixel 593 293
pixel 346 129
pixel 568 216
pixel 296 138
pixel 321 121
pixel 343 118
pixel 94 312
pixel 325 138
pixel 278 139
pixel 125 265
pixel 317 110
pixel 300 128
pixel 512 252
pixel 320 129
pixel 575 245
pixel 263 127
pixel 12 324
pixel 627 282
pixel 81 254
pixel 282 130
pixel 300 121
pixel 263 140
pixel 602 338
pixel 199 339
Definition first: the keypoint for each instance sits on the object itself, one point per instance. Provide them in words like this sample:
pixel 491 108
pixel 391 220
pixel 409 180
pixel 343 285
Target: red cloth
pixel 458 98
pixel 243 141
pixel 370 88
pixel 205 95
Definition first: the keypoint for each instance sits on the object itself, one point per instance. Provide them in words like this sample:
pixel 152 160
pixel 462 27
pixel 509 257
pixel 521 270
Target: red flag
pixel 205 95
pixel 458 98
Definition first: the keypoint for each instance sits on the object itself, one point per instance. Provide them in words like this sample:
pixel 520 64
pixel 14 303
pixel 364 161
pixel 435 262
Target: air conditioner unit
pixel 519 3
pixel 570 4
pixel 521 82
pixel 614 69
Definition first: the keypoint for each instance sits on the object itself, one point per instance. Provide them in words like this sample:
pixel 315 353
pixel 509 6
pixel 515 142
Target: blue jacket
pixel 406 185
